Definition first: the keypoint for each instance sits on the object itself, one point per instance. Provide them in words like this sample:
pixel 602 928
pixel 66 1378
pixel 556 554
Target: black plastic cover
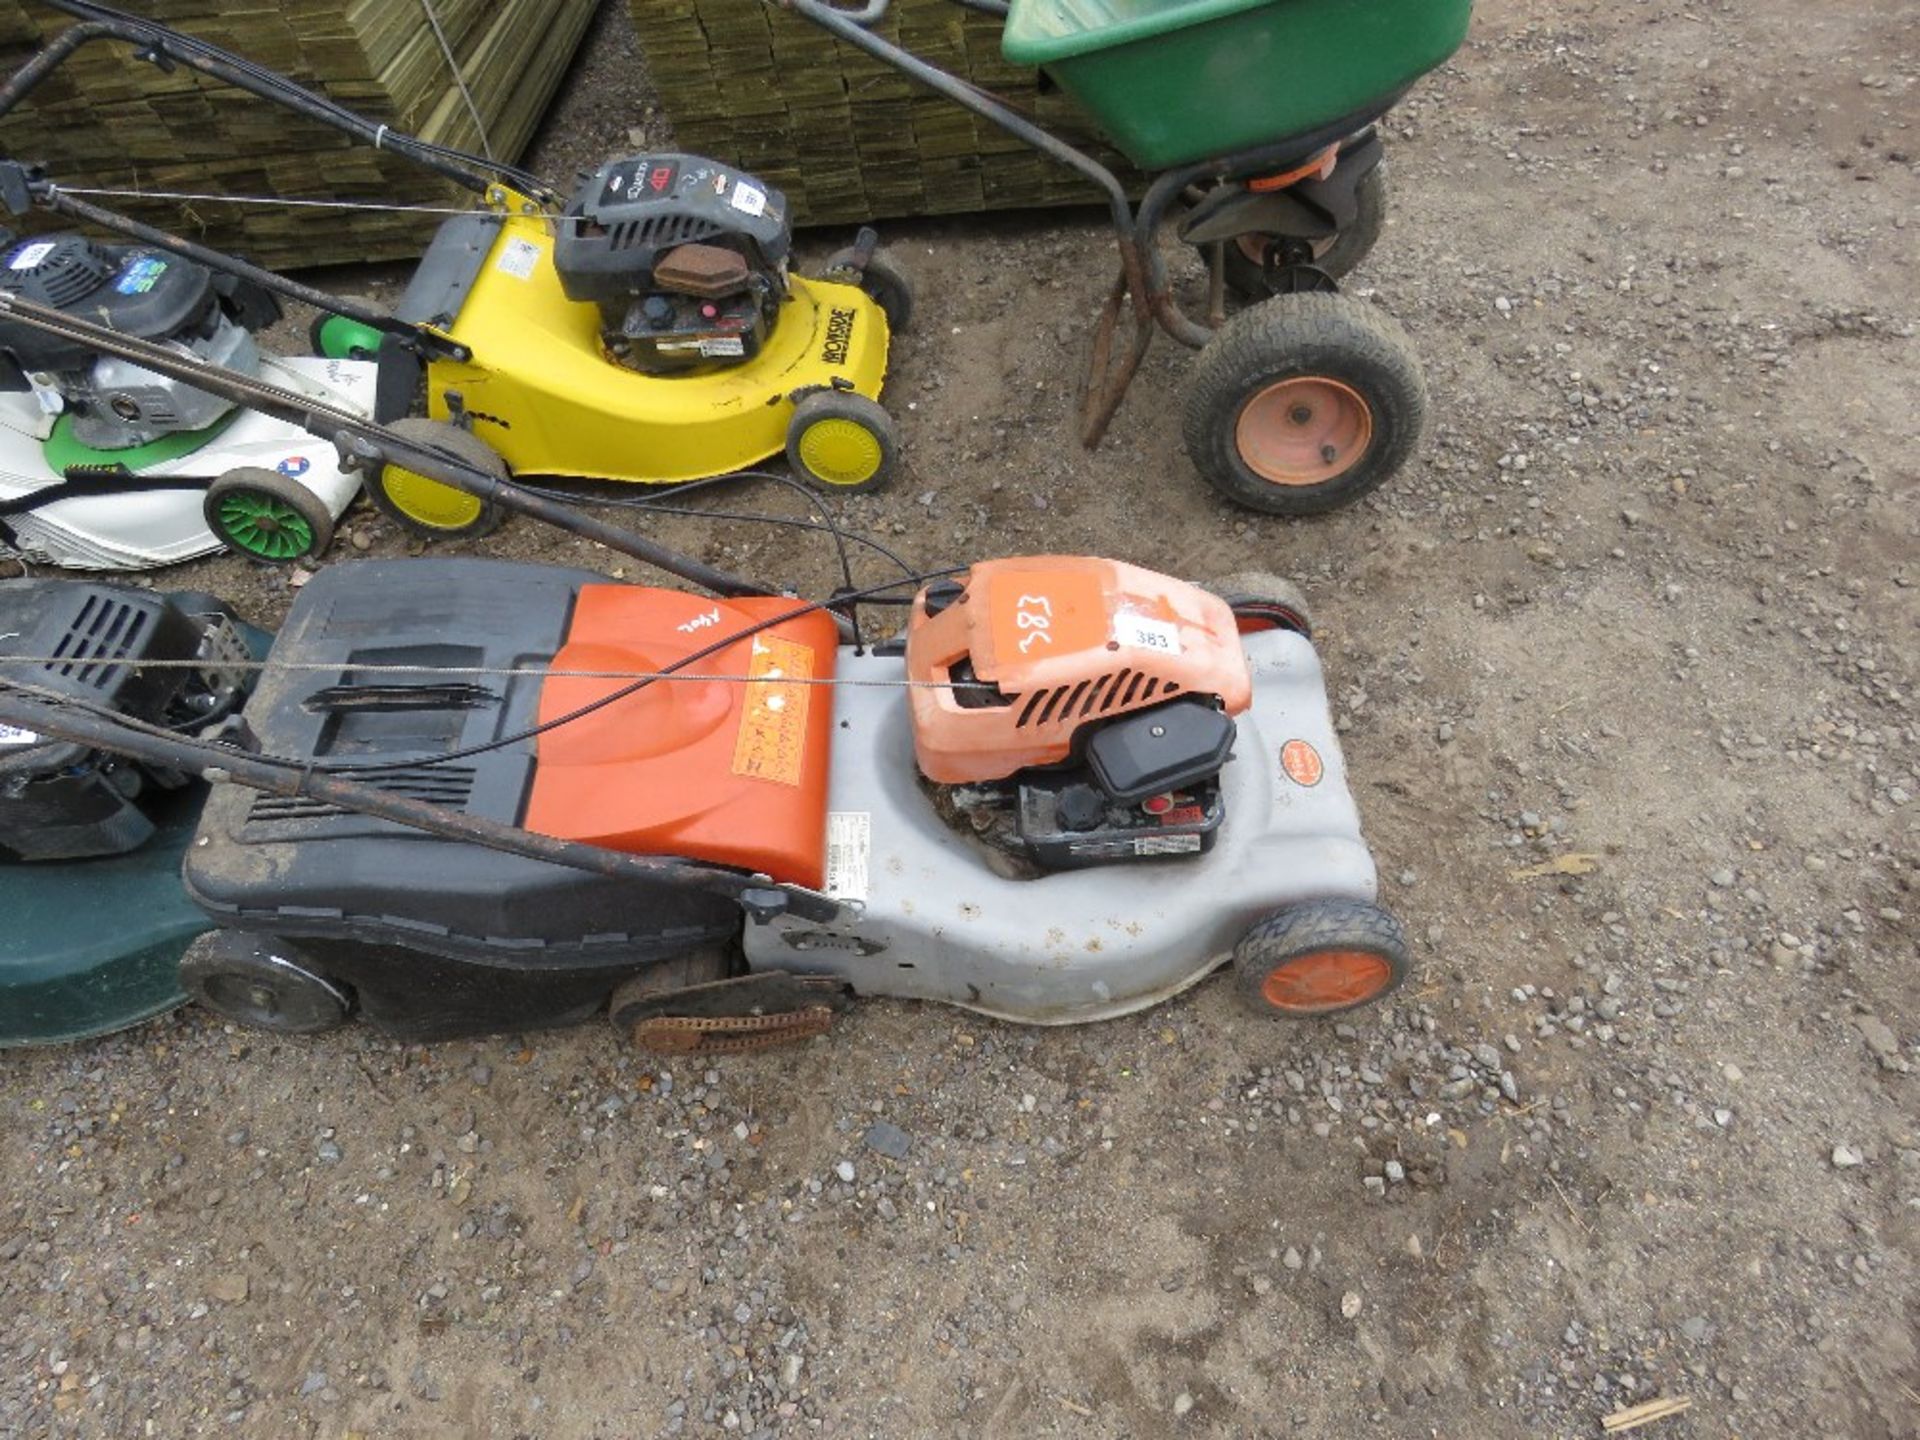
pixel 1155 750
pixel 631 212
pixel 145 293
pixel 303 869
pixel 62 801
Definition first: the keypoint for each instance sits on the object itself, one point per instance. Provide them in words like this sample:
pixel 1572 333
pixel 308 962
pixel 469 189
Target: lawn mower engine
pixel 64 801
pixel 145 293
pixel 1075 711
pixel 686 259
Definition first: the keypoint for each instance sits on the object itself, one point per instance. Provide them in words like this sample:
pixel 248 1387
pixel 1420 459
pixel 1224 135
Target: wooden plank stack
pixel 105 119
pixel 846 137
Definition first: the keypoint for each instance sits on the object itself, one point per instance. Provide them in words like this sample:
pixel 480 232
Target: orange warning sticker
pixel 773 724
pixel 1302 763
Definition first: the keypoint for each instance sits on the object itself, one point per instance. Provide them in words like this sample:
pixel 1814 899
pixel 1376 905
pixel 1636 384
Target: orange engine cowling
pixel 1039 647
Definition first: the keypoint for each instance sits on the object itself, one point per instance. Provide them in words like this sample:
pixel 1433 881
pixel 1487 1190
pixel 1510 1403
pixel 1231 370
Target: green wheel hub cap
pixel 343 339
pixel 264 526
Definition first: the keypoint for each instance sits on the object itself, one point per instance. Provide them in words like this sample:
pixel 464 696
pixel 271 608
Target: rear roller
pixel 1304 403
pixel 1319 958
pixel 264 982
pixel 427 508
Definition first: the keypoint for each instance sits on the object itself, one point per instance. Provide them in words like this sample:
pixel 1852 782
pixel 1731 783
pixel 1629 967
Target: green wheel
pixel 335 337
pixel 267 515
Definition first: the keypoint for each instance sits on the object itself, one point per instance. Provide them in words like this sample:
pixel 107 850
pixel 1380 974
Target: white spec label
pixel 518 258
pixel 849 853
pixel 1167 845
pixel 748 199
pixel 31 255
pixel 1138 632
pixel 14 735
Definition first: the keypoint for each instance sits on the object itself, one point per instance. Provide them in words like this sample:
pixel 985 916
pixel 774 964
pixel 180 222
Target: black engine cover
pixel 145 293
pixel 629 213
pixel 633 219
pixel 61 801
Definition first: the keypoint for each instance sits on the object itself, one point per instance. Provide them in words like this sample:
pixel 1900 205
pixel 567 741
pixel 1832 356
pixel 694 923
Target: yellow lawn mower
pixel 649 328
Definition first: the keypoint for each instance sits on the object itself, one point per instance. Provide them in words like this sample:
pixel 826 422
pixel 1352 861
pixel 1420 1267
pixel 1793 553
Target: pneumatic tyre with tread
pixel 1248 277
pixel 263 982
pixel 267 516
pixel 1320 957
pixel 427 508
pixel 1304 403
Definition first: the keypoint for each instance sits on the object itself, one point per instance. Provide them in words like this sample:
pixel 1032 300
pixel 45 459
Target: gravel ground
pixel 1625 667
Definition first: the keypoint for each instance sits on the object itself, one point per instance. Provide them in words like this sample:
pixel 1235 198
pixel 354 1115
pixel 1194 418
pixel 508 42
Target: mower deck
pixel 928 918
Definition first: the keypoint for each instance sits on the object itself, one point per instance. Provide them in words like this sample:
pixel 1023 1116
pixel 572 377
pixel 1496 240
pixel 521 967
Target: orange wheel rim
pixel 1304 431
pixel 1325 980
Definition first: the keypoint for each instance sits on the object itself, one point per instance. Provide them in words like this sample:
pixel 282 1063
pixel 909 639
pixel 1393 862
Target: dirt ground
pixel 1643 1128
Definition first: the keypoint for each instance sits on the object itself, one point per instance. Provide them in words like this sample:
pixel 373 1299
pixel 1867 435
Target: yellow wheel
pixel 428 508
pixel 842 441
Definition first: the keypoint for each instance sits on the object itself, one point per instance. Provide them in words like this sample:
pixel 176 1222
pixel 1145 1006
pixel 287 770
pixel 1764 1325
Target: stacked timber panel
pixel 846 137
pixel 105 119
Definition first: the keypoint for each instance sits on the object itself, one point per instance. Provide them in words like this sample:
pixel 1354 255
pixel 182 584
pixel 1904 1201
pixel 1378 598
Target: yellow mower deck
pixel 541 390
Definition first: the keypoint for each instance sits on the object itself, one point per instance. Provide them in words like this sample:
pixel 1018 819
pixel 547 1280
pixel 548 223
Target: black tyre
pixel 266 515
pixel 263 982
pixel 885 284
pixel 1261 601
pixel 1319 958
pixel 427 508
pixel 1245 259
pixel 842 441
pixel 1304 403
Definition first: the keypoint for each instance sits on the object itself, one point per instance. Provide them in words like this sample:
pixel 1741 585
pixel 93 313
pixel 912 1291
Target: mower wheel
pixel 337 337
pixel 842 441
pixel 883 283
pixel 427 508
pixel 1260 601
pixel 1304 403
pixel 263 982
pixel 267 515
pixel 1320 957
pixel 1247 273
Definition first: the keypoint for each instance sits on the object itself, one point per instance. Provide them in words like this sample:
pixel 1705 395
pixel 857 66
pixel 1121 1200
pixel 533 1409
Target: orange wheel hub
pixel 1304 431
pixel 1326 980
